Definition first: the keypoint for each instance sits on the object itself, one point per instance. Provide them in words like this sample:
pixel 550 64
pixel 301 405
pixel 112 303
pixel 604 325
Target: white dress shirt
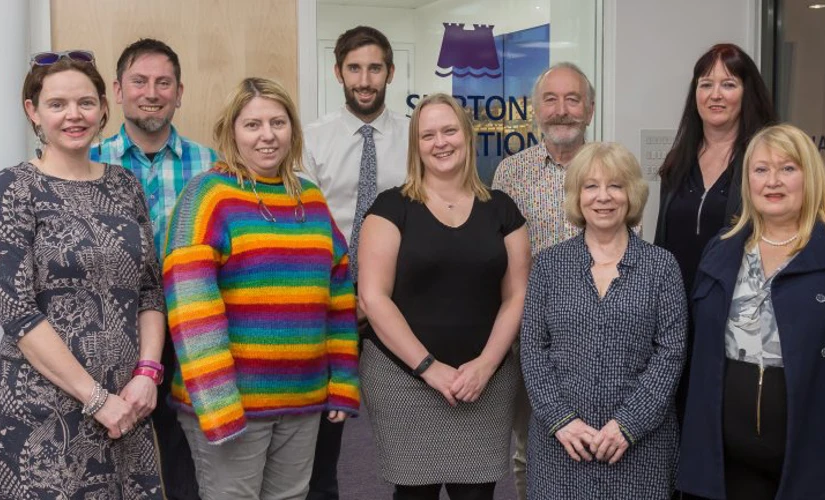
pixel 332 157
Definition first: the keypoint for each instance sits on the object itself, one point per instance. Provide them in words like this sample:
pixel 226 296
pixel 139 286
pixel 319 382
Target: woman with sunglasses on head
pixel 261 307
pixel 81 304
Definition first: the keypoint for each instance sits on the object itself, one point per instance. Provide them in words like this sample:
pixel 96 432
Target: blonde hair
pixel 413 187
pixel 224 132
pixel 617 162
pixel 796 146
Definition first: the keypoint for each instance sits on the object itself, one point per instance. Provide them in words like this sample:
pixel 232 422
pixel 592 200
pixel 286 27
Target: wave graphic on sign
pixel 468 52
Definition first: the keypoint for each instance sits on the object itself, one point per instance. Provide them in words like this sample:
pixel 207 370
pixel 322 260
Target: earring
pixel 41 141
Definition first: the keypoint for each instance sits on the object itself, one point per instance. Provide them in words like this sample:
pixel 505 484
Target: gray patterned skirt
pixel 421 439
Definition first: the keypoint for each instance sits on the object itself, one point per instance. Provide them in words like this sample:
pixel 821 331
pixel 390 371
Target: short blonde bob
pixel 224 132
pixel 414 185
pixel 617 163
pixel 796 146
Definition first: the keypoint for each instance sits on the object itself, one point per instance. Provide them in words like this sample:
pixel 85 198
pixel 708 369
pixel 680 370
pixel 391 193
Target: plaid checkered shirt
pixel 163 178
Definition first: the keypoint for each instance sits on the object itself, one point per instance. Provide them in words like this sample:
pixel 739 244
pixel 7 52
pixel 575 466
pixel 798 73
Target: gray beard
pixel 565 140
pixel 150 125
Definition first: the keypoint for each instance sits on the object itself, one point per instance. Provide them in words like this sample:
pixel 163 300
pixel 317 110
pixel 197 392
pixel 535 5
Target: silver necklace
pixel 779 243
pixel 450 205
pixel 300 213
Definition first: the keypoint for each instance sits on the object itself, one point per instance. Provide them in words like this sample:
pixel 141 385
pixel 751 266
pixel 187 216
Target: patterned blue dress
pixel 79 255
pixel 617 357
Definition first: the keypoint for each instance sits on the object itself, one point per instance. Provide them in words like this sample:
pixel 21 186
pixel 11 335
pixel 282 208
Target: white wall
pixel 14 57
pixel 650 49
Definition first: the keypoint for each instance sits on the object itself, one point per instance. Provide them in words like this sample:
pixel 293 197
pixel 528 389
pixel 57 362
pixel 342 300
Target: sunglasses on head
pixel 51 57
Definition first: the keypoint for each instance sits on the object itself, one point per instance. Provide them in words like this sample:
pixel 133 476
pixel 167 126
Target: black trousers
pixel 176 463
pixel 481 491
pixel 753 456
pixel 323 485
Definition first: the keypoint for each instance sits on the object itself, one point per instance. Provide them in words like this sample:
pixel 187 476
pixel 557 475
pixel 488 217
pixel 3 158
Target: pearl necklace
pixel 779 243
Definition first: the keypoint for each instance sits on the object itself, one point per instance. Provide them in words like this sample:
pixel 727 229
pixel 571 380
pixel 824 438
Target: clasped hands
pixel 583 442
pixel 122 412
pixel 465 383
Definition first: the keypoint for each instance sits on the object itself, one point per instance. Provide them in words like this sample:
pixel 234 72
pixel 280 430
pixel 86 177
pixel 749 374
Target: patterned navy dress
pixel 617 357
pixel 79 255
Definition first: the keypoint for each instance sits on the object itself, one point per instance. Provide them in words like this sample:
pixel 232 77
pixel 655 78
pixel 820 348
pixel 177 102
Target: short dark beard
pixel 361 111
pixel 150 125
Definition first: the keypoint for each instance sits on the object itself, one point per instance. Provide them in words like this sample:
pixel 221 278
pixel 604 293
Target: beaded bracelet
pixel 96 401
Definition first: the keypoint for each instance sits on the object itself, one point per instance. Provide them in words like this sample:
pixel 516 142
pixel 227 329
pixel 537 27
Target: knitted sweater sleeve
pixel 196 246
pixel 342 336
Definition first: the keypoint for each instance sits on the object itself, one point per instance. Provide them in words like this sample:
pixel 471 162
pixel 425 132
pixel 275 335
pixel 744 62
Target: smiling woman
pixel 603 343
pixel 261 306
pixel 751 428
pixel 81 304
pixel 443 266
pixel 263 133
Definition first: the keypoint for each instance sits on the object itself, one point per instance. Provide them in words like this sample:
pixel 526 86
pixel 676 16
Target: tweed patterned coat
pixel 617 357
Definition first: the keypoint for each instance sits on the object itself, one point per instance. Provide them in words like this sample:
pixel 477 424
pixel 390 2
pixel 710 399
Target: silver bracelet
pixel 96 401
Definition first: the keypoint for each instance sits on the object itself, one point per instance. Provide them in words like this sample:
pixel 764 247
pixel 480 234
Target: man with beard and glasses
pixel 353 154
pixel 563 102
pixel 149 88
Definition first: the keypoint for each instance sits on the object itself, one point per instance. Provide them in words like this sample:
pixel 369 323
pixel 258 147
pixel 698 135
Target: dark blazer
pixel 733 207
pixel 798 294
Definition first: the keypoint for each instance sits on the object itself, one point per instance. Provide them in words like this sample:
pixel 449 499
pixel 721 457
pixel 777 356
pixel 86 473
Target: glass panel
pixel 486 53
pixel 799 87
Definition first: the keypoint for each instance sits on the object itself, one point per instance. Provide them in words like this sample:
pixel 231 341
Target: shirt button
pixel 820 298
pixel 823 352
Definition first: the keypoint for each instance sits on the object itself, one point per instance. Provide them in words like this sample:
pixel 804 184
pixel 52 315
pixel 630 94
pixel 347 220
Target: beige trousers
pixel 271 460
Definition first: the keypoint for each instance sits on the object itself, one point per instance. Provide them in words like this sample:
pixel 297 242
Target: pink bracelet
pixel 148 363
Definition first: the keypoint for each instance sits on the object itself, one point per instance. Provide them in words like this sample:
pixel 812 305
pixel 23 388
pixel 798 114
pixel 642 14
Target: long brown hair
pixel 757 111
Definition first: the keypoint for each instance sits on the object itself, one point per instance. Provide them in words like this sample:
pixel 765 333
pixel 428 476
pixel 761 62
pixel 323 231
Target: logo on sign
pixel 468 52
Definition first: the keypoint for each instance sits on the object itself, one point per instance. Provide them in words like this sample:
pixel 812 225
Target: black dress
pixel 79 255
pixel 448 288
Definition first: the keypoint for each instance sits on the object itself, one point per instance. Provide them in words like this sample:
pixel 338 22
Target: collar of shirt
pixel 548 159
pixel 123 143
pixel 353 123
pixel 629 259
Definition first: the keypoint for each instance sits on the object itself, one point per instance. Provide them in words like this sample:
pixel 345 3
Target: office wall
pixel 650 49
pixel 219 43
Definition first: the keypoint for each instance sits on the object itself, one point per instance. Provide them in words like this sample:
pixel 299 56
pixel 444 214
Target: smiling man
pixel 149 89
pixel 353 154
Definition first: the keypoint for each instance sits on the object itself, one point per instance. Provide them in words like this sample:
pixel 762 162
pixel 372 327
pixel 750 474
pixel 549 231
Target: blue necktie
pixel 367 191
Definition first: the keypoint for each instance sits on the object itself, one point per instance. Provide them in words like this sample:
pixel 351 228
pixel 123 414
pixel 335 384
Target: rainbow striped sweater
pixel 262 313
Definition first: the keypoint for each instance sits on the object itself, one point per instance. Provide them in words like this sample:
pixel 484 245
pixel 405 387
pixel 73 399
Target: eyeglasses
pixel 300 212
pixel 48 58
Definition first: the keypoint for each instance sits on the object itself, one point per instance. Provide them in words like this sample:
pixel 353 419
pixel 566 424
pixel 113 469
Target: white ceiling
pixel 403 4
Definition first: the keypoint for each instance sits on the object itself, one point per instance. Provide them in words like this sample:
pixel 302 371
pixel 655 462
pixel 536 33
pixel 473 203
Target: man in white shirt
pixel 353 154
